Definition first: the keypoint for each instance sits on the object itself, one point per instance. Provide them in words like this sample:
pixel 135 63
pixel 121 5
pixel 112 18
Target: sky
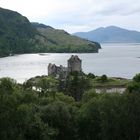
pixel 79 15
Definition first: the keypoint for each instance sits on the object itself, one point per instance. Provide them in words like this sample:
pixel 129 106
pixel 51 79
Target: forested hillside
pixel 55 40
pixel 18 35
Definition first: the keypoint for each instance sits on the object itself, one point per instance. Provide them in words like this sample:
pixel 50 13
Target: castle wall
pixel 74 64
pixel 57 71
pixel 51 69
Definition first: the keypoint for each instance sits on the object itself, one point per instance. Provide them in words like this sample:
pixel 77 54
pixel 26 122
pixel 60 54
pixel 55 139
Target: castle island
pixel 61 72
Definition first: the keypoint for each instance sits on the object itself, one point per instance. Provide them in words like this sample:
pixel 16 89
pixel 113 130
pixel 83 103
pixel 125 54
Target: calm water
pixel 117 60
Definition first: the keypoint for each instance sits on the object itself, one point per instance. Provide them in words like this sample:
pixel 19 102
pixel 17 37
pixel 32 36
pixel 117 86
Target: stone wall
pixel 74 64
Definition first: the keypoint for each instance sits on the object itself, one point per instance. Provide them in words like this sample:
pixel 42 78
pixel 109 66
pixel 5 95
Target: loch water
pixel 115 60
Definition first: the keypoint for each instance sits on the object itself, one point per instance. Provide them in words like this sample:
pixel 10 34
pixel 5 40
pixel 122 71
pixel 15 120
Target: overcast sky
pixel 79 15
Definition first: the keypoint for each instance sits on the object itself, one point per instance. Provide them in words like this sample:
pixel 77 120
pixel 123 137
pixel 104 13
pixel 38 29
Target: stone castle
pixel 73 64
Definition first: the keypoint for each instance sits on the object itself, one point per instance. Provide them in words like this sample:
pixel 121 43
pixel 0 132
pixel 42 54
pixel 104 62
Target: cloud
pixel 79 15
pixel 122 9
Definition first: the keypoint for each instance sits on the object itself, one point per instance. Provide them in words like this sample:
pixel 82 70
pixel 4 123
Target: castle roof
pixel 74 58
pixel 51 65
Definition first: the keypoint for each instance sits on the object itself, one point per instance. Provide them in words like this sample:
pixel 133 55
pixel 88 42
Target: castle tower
pixel 74 64
pixel 51 69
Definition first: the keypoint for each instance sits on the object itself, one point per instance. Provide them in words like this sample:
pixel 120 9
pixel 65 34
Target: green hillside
pixel 18 36
pixel 61 41
pixel 16 33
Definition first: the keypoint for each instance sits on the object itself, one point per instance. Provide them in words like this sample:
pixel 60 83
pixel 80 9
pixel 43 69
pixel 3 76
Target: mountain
pixel 60 41
pixel 18 35
pixel 111 34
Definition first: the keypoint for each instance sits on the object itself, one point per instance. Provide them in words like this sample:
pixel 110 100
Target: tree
pixel 134 86
pixel 112 115
pixel 88 119
pixel 58 116
pixel 103 78
pixel 44 85
pixel 7 85
pixel 19 114
pixel 76 85
pixel 91 75
pixel 136 78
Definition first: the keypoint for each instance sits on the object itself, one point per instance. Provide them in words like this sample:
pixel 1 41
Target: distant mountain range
pixel 111 34
pixel 18 35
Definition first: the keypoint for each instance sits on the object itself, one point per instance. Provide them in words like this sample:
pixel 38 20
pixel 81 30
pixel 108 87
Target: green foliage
pixel 76 85
pixel 103 78
pixel 19 114
pixel 134 86
pixel 7 86
pixel 99 81
pixel 58 116
pixel 136 78
pixel 60 41
pixel 25 115
pixel 110 116
pixel 89 121
pixel 44 84
pixel 64 98
pixel 91 75
pixel 88 95
pixel 18 35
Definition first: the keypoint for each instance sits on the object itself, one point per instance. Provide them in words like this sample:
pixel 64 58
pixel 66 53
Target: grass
pixel 110 82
